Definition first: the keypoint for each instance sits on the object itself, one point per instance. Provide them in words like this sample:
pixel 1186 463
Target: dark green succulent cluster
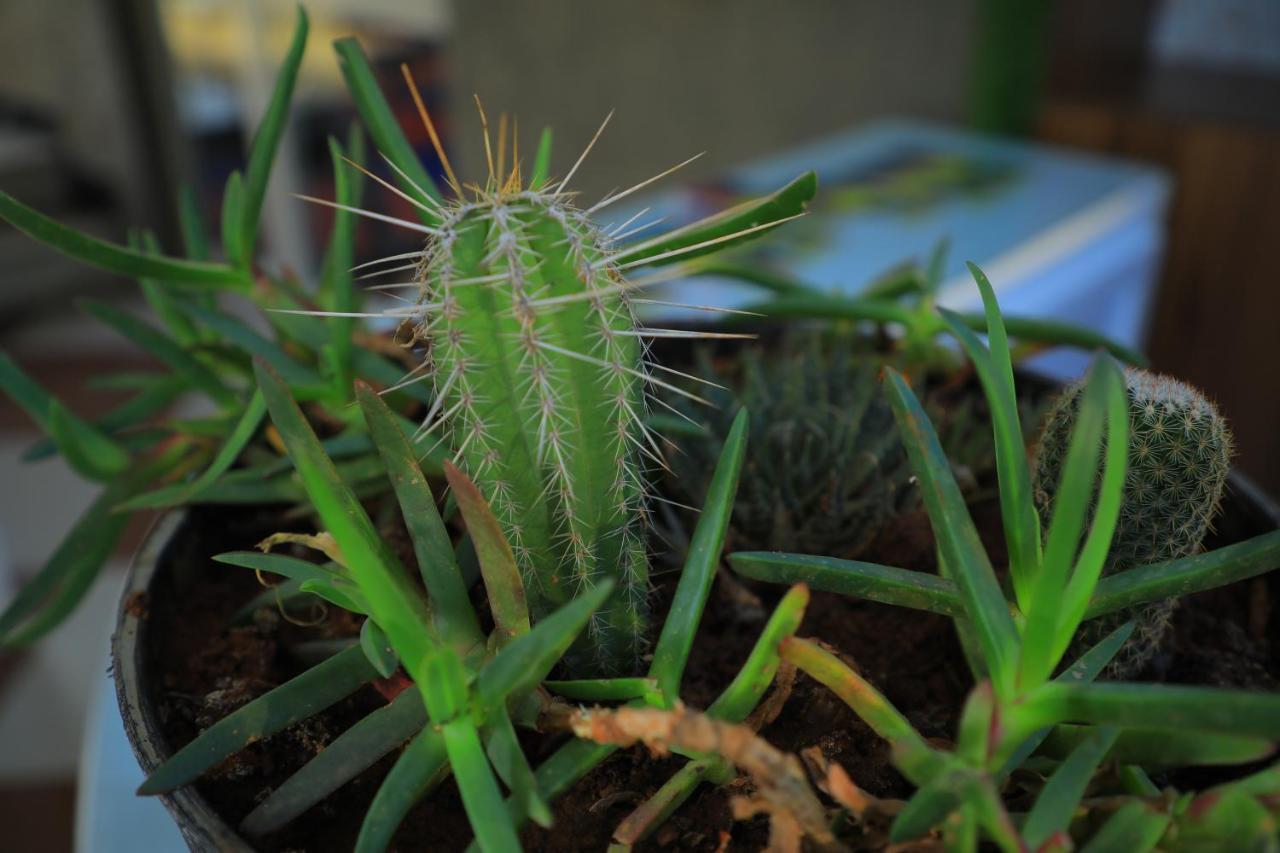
pixel 827 470
pixel 1179 456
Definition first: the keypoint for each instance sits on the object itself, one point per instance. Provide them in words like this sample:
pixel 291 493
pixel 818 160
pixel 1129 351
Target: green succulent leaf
pixel 250 485
pixel 542 159
pixel 918 761
pixel 941 796
pixel 995 371
pixel 928 807
pixel 195 239
pixel 508 759
pixel 151 399
pixel 937 265
pixel 737 701
pixel 349 755
pixel 714 233
pixel 778 283
pixel 398 607
pixel 381 122
pixel 377 648
pixel 266 141
pixel 1154 748
pixel 1134 828
pixel 1106 510
pixel 672 650
pixel 1086 668
pixel 521 664
pixel 821 306
pixel 233 246
pixel 89 453
pixel 324 581
pixel 299 376
pixel 874 582
pixel 163 347
pixel 182 493
pixel 163 300
pixel 655 810
pixel 451 607
pixel 1163 706
pixel 418 769
pixel 1186 575
pixel 62 582
pixel 337 288
pixel 115 258
pixel 296 699
pixel 497 564
pixel 1063 584
pixel 746 690
pixel 1058 801
pixel 481 797
pixel 560 772
pixel 962 552
pixel 1054 332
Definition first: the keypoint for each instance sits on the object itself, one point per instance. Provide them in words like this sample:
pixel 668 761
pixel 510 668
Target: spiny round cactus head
pixel 538 372
pixel 1179 457
pixel 825 470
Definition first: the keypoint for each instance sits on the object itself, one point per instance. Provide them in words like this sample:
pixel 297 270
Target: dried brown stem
pixel 784 792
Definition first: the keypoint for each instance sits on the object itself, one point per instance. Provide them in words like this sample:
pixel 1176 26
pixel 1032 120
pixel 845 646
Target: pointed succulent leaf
pixel 418 769
pixel 277 709
pixel 854 578
pixel 380 121
pixel 398 607
pixel 1058 800
pixel 377 648
pixel 676 640
pixel 962 553
pixel 450 603
pixel 266 140
pixel 115 258
pixel 349 755
pixel 181 493
pixel 729 228
pixel 520 665
pixel 497 563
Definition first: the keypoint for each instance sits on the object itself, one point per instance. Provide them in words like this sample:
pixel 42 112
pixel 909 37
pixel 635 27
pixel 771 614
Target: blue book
pixel 1061 234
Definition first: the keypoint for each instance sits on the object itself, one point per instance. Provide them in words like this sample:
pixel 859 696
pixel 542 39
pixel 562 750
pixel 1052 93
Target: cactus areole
pixel 537 365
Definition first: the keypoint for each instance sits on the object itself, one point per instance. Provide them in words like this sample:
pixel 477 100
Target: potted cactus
pixel 401 597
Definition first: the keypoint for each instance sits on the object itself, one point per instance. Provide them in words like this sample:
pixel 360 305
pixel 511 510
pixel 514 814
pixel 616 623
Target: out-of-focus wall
pixel 738 78
pixel 95 68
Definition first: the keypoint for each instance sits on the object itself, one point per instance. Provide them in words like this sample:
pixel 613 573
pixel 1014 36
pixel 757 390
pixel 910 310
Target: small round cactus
pixel 1179 456
pixel 825 470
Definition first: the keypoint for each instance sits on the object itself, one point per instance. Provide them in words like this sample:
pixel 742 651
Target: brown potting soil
pixel 201 669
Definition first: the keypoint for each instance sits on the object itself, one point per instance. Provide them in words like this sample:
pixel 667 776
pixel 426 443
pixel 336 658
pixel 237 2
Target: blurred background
pixel 108 108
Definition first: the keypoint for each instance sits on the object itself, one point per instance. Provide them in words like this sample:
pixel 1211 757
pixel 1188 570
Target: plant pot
pixel 201 826
pixel 165 556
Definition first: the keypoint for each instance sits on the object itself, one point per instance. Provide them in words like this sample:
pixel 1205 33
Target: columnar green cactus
pixel 1179 456
pixel 537 364
pixel 538 367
